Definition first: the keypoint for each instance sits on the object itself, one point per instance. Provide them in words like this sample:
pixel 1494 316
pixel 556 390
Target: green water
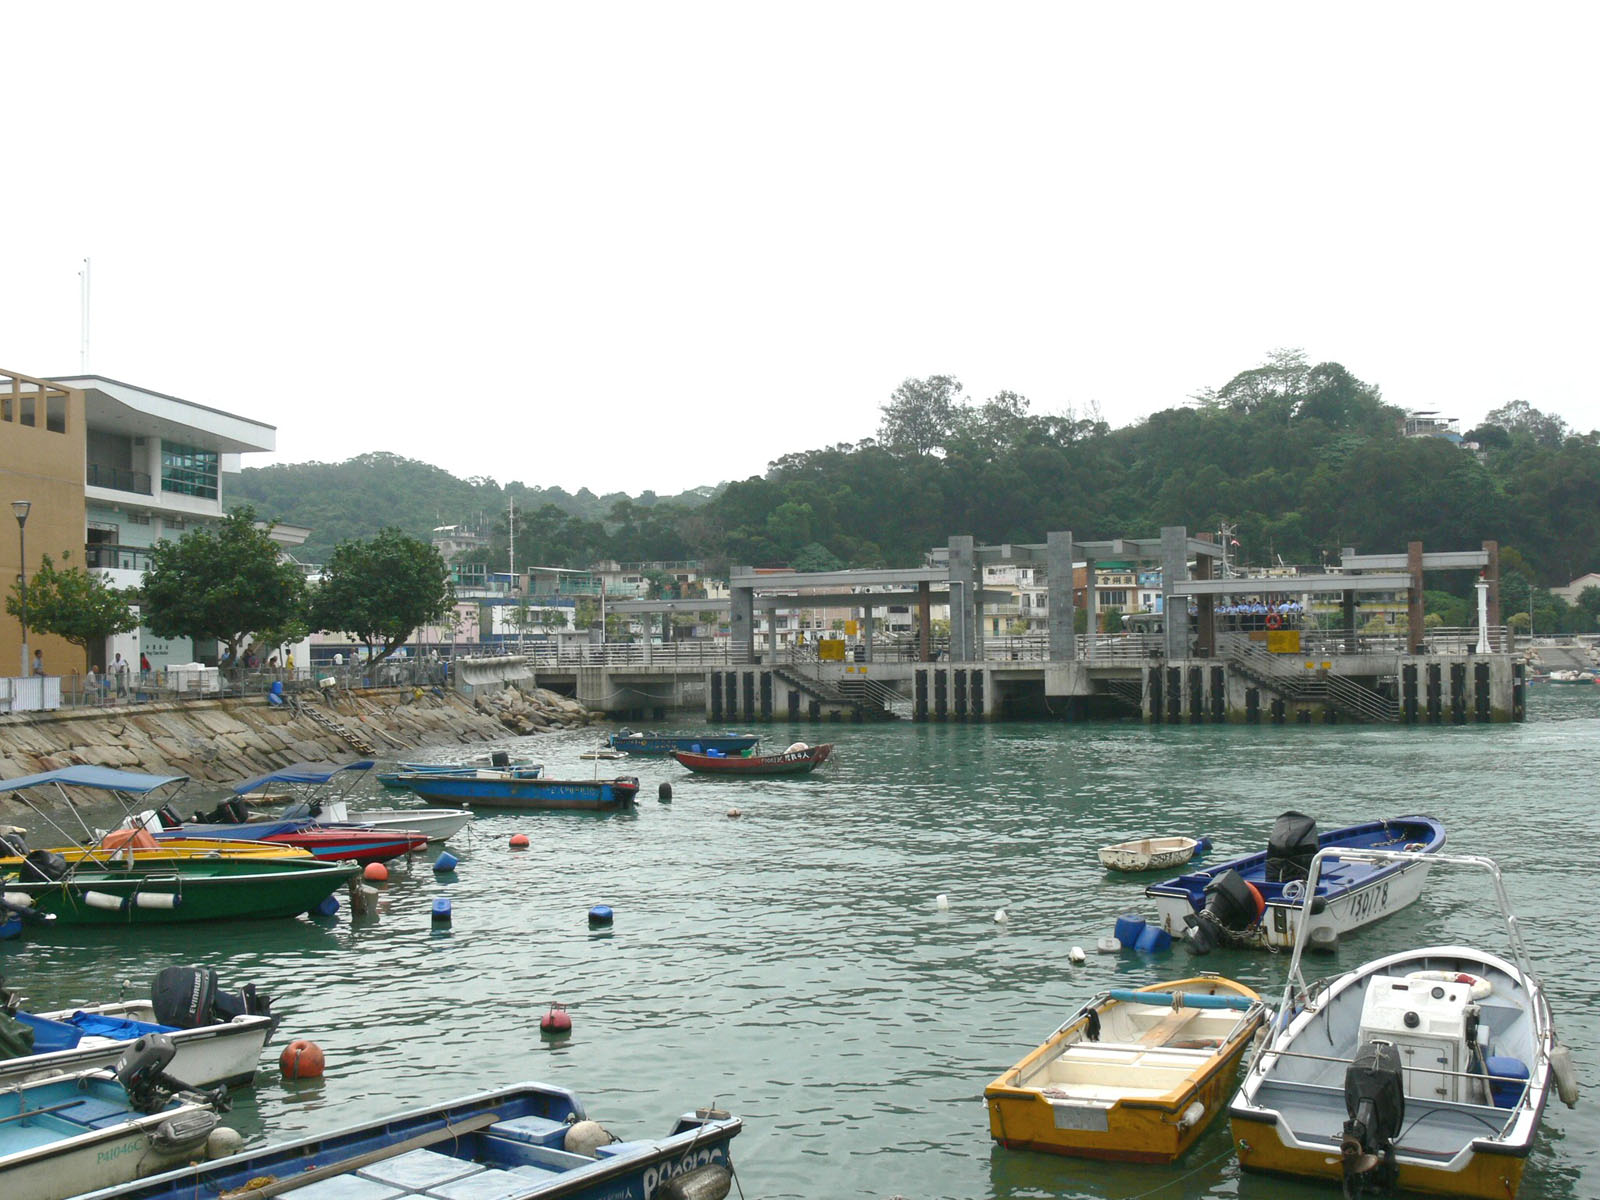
pixel 791 965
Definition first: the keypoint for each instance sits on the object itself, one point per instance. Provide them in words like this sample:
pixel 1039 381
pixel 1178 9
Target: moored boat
pixel 1148 854
pixel 798 759
pixel 514 790
pixel 694 743
pixel 1426 1070
pixel 498 760
pixel 1254 902
pixel 1133 1074
pixel 217 1036
pixel 531 1141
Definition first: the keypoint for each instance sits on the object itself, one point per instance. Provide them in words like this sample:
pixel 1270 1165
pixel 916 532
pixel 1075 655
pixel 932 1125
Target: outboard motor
pixel 1291 847
pixel 142 1072
pixel 1232 908
pixel 1374 1099
pixel 43 866
pixel 232 811
pixel 168 817
pixel 499 759
pixel 187 997
pixel 13 841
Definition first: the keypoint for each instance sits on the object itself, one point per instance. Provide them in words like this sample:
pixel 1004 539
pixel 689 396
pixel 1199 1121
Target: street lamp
pixel 20 509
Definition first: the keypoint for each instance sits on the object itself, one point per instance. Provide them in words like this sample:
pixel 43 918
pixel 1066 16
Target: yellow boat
pixel 122 845
pixel 1133 1075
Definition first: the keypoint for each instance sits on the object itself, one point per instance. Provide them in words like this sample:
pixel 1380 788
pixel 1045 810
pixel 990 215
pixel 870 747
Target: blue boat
pixel 497 760
pixel 691 743
pixel 530 1141
pixel 1256 902
pixel 519 789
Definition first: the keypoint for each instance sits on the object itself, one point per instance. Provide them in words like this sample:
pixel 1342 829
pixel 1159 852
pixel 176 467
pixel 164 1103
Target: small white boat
pixel 436 824
pixel 1148 854
pixel 1425 1071
pixel 217 1036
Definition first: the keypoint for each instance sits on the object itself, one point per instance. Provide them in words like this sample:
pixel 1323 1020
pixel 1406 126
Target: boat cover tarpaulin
pixel 104 778
pixel 301 772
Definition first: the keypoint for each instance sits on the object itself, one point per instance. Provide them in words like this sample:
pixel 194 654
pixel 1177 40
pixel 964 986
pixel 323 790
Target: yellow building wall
pixel 43 465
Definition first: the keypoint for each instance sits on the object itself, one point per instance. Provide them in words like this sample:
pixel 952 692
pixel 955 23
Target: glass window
pixel 188 470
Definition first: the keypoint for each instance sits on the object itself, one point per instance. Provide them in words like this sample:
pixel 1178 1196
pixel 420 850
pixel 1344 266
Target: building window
pixel 188 470
pixel 138 518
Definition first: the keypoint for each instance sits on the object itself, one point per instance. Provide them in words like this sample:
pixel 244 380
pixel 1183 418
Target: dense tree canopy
pixel 72 603
pixel 382 591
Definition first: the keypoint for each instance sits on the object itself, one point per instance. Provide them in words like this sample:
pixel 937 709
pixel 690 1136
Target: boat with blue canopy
pixel 1255 902
pixel 312 796
pixel 531 1141
pixel 692 743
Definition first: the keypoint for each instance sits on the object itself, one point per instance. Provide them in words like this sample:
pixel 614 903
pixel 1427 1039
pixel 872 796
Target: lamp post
pixel 20 509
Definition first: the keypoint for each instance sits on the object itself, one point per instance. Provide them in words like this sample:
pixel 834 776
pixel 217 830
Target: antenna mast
pixel 83 299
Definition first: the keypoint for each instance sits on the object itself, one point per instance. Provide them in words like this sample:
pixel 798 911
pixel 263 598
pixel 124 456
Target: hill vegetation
pixel 1303 458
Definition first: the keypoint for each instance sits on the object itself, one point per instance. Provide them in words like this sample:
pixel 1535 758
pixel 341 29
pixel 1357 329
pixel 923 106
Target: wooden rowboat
pixel 796 760
pixel 1148 854
pixel 1132 1075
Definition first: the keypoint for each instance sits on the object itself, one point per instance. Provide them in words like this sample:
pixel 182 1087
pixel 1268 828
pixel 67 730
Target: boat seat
pixel 94 1114
pixel 1168 1027
pixel 348 1187
pixel 538 1131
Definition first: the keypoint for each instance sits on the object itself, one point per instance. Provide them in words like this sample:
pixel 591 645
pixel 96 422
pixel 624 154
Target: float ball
pixel 519 841
pixel 734 812
pixel 301 1060
pixel 600 914
pixel 376 873
pixel 556 1021
pixel 664 792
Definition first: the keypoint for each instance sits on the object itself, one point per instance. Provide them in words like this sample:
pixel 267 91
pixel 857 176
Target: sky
pixel 654 246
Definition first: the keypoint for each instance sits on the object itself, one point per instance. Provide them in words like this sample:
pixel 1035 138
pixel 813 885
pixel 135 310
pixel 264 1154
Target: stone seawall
pixel 218 741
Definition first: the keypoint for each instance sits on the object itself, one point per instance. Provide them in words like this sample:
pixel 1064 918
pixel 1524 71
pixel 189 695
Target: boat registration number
pixel 1092 1118
pixel 1369 902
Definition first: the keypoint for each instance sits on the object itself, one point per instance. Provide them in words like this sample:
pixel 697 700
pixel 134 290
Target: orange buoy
pixel 519 841
pixel 301 1060
pixel 556 1021
pixel 376 872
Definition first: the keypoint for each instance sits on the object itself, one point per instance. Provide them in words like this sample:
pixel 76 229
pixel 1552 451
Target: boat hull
pixel 1132 1101
pixel 693 743
pixel 791 762
pixel 1148 854
pixel 1348 903
pixel 206 1056
pixel 212 890
pixel 510 792
pixel 501 1131
pixel 357 844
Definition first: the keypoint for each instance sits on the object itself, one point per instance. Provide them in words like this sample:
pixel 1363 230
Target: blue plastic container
pixel 600 914
pixel 1202 846
pixel 1506 1092
pixel 1129 927
pixel 445 862
pixel 328 907
pixel 441 909
pixel 1153 939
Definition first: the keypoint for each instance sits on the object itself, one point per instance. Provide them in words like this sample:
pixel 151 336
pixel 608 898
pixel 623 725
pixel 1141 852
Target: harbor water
pixel 793 966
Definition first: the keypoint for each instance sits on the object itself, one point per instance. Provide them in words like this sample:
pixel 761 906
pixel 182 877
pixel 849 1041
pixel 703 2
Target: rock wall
pixel 219 741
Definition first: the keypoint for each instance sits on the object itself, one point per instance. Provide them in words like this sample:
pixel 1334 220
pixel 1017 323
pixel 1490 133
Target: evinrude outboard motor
pixel 187 997
pixel 1232 907
pixel 142 1072
pixel 1291 847
pixel 1374 1099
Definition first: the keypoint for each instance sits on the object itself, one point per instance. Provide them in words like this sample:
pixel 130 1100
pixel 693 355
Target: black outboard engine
pixel 499 759
pixel 168 816
pixel 232 811
pixel 43 866
pixel 1232 907
pixel 13 842
pixel 1291 847
pixel 1374 1099
pixel 187 997
pixel 142 1072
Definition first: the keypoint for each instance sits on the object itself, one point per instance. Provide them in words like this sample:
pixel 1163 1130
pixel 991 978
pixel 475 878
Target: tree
pixel 382 591
pixel 222 583
pixel 919 416
pixel 1546 429
pixel 74 604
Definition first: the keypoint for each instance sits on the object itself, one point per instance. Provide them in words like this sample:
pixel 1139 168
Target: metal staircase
pixel 868 698
pixel 1344 695
pixel 1130 691
pixel 343 732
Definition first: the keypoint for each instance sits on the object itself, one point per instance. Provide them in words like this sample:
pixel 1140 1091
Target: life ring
pixel 1274 621
pixel 1481 987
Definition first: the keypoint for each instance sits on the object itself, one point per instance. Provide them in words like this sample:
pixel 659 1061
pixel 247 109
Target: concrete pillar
pixel 741 620
pixel 1491 573
pixel 963 594
pixel 1175 569
pixel 866 631
pixel 1414 632
pixel 1089 606
pixel 1347 606
pixel 924 623
pixel 1058 596
pixel 1206 618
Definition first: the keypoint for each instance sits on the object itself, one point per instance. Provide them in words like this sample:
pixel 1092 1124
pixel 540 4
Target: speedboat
pixel 307 791
pixel 217 1035
pixel 1426 1070
pixel 1133 1074
pixel 527 1142
pixel 1255 902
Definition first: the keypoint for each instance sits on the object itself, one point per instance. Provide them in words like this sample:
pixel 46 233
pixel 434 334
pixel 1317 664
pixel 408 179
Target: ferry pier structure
pixel 1191 665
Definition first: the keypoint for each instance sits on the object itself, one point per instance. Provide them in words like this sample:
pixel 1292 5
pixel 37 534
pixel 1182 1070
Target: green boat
pixel 123 889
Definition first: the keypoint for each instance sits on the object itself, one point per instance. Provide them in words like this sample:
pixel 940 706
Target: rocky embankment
pixel 218 741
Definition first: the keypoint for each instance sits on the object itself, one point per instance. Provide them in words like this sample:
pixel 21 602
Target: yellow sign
pixel 831 650
pixel 851 628
pixel 1283 641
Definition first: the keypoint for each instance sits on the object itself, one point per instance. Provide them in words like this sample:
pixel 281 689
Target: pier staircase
pixel 1129 691
pixel 869 699
pixel 1344 695
pixel 343 732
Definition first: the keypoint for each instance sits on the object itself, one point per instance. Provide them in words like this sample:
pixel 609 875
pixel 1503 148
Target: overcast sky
pixel 652 246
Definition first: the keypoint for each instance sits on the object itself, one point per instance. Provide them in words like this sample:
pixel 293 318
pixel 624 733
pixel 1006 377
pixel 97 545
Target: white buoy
pixel 941 902
pixel 1000 916
pixel 222 1142
pixel 586 1137
pixel 1076 954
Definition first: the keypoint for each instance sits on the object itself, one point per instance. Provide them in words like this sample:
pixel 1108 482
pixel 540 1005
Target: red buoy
pixel 301 1060
pixel 556 1020
pixel 519 841
pixel 376 872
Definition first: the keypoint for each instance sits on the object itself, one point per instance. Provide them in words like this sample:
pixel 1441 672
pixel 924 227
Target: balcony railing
pixel 115 558
pixel 118 479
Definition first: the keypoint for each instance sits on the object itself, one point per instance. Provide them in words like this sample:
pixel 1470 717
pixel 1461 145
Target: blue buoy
pixel 328 907
pixel 445 862
pixel 1129 927
pixel 1202 846
pixel 600 914
pixel 1153 940
pixel 441 909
